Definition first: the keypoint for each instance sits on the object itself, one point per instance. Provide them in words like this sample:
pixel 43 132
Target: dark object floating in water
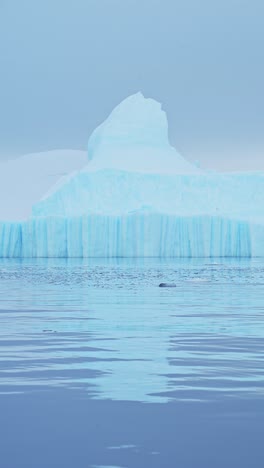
pixel 167 285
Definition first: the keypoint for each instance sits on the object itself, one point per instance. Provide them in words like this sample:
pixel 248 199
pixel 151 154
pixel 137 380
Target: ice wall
pixel 145 235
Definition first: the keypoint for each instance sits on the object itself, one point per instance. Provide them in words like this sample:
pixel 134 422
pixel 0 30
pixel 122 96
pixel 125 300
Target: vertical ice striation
pixel 135 235
pixel 10 239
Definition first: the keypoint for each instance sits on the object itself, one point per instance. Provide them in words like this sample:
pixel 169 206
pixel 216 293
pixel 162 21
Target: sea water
pixel 99 366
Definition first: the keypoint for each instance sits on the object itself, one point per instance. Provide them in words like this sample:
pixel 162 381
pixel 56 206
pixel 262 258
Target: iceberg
pixel 136 196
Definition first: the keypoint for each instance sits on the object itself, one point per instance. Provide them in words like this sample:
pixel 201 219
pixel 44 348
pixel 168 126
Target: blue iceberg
pixel 137 197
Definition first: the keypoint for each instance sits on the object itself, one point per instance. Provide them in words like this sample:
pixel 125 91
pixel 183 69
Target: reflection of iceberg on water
pixel 138 197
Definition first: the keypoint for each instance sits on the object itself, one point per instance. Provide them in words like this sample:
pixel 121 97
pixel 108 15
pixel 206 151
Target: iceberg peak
pixel 135 138
pixel 135 121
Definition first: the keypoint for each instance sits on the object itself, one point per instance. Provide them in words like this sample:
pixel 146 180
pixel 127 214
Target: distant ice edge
pixel 134 235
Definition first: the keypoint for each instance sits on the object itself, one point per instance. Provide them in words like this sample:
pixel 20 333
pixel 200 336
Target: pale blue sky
pixel 66 63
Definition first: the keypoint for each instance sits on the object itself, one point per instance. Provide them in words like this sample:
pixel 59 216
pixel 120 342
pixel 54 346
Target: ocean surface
pixel 100 367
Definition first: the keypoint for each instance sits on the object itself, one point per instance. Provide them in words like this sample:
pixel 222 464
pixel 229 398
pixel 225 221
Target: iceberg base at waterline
pixel 134 235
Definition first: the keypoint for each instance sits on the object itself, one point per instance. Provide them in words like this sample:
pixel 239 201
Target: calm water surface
pixel 99 367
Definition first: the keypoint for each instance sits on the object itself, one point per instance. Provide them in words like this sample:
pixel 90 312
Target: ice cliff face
pixel 136 196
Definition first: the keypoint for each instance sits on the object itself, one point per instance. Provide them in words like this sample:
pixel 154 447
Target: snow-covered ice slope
pixel 138 197
pixel 114 192
pixel 23 181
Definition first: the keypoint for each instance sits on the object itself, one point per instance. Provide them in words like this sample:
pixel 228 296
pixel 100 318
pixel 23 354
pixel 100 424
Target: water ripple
pixel 106 328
